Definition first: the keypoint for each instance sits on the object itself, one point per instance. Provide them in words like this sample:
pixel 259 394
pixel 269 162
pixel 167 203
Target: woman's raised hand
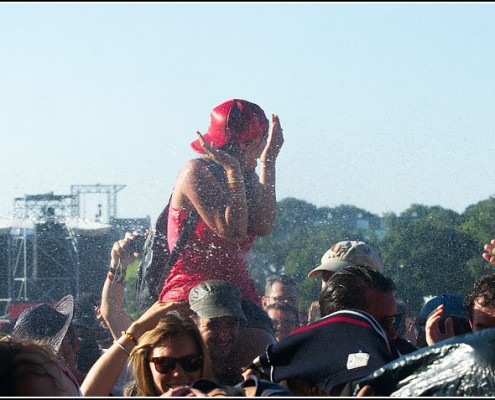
pixel 275 141
pixel 121 253
pixel 150 318
pixel 216 154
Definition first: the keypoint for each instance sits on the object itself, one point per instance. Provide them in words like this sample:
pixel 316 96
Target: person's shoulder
pixel 195 175
pixel 192 166
pixel 199 163
pixel 202 166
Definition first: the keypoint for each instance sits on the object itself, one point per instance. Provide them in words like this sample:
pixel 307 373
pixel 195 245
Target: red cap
pixel 232 122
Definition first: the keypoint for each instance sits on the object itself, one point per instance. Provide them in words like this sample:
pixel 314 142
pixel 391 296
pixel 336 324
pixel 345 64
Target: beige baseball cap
pixel 346 253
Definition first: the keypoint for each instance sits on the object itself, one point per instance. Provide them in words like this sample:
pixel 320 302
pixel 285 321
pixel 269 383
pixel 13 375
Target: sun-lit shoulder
pixel 192 167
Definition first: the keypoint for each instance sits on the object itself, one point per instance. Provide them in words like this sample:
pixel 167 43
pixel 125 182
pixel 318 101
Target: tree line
pixel 426 250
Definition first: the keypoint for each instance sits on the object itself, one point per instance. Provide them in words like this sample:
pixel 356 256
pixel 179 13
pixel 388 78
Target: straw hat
pixel 44 323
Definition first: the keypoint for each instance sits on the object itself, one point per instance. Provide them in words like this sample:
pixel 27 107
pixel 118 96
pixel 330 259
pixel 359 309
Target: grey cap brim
pixel 332 266
pixel 215 312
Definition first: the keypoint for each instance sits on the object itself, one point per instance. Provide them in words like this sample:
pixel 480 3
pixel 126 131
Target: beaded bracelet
pixel 233 184
pixel 129 336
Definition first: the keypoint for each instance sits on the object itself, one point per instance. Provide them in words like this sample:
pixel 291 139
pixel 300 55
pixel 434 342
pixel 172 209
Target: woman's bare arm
pixel 105 372
pixel 224 210
pixel 113 292
pixel 265 208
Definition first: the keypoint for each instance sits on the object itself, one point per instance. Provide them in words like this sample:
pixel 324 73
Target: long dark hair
pixel 250 179
pixel 347 288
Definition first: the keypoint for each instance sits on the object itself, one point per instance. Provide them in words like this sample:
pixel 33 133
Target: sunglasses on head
pixel 190 363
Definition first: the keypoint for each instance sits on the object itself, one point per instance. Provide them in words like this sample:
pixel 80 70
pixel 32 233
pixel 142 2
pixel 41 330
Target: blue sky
pixel 383 104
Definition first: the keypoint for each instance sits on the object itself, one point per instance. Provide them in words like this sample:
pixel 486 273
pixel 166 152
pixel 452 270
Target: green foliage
pixel 478 222
pixel 425 254
pixel 301 235
pixel 130 289
pixel 425 250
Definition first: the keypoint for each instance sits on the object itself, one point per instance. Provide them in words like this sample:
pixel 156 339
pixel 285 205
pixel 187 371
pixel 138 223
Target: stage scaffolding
pixel 43 253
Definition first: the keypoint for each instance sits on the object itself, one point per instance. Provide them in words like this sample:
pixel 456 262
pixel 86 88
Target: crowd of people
pixel 210 333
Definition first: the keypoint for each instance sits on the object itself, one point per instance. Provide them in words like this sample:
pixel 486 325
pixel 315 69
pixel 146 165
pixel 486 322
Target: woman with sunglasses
pixel 235 205
pixel 165 352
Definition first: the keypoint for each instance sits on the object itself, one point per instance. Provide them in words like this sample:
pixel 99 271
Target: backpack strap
pixel 215 168
pixel 191 222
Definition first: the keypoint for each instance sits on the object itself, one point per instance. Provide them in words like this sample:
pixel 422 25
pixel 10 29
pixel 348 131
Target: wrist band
pixel 115 276
pixel 129 336
pixel 122 347
pixel 234 184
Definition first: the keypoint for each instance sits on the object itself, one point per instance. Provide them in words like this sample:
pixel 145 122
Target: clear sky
pixel 382 104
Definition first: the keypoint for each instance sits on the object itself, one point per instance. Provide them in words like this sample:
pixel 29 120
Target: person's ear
pixel 264 302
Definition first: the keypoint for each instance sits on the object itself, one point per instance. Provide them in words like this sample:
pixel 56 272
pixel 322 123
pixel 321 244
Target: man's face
pixel 283 322
pixel 284 293
pixel 325 276
pixel 483 317
pixel 220 335
pixel 383 307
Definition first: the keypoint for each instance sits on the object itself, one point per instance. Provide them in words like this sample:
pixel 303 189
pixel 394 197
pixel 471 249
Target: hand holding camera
pixel 136 244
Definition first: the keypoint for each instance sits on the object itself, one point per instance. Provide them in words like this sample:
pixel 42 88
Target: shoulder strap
pixel 215 168
pixel 191 221
pixel 183 236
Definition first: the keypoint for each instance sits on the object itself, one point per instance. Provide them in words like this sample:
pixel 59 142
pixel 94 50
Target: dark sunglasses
pixel 387 322
pixel 283 299
pixel 190 363
pixel 326 275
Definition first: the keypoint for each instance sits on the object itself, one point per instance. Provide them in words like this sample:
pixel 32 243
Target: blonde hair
pixel 172 325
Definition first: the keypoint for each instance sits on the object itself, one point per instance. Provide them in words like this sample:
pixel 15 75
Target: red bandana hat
pixel 234 121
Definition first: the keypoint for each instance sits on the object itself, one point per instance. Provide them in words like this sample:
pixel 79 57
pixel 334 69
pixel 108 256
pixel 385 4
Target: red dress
pixel 206 256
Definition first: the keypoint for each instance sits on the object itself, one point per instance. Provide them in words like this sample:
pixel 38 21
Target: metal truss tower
pixel 43 249
pixel 43 254
pixel 42 207
pixel 110 190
